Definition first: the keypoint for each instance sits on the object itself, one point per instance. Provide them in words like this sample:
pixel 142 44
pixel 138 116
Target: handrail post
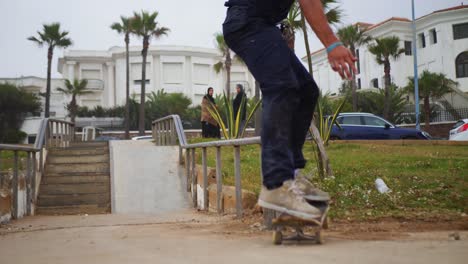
pixel 205 180
pixel 28 182
pixel 219 182
pixel 187 168
pixel 15 185
pixel 238 181
pixel 194 181
pixel 1 174
pixel 34 178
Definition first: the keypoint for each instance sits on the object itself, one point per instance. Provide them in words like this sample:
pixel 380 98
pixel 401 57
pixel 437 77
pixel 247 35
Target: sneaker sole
pixel 280 209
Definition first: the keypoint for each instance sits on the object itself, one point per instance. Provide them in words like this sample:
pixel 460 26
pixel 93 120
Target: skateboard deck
pixel 283 223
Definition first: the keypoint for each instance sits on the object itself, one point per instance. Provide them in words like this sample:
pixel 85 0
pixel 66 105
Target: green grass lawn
pixel 426 181
pixel 6 159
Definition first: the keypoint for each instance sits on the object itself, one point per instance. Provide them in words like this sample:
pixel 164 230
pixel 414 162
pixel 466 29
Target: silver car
pixel 460 131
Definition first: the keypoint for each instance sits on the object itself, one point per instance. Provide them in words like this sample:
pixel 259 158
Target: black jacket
pixel 237 103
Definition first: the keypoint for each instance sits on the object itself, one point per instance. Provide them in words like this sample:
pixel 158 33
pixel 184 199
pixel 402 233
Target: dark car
pixel 368 126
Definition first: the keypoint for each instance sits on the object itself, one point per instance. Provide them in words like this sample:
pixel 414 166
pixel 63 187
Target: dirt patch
pixel 382 229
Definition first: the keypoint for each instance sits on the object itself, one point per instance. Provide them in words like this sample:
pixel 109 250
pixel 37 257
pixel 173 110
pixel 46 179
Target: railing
pixel 451 115
pixel 52 134
pixel 169 131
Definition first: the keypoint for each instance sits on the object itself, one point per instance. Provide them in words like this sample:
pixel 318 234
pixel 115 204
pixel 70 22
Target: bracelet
pixel 334 46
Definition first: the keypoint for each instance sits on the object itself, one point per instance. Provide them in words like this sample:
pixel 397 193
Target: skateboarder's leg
pixel 269 59
pixel 308 94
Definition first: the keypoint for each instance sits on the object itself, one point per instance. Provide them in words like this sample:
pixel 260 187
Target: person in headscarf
pixel 241 99
pixel 210 128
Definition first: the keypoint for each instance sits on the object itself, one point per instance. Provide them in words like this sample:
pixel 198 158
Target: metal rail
pixel 168 131
pixel 52 134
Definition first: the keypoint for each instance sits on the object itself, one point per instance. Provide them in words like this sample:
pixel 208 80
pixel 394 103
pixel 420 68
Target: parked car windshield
pixel 458 124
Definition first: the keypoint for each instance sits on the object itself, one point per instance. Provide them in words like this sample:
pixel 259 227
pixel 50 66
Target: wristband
pixel 334 46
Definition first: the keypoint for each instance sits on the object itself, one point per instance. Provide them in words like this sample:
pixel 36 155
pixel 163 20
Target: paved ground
pixel 188 237
pixel 145 178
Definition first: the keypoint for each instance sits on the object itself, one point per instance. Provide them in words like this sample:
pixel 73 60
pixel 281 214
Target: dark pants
pixel 210 131
pixel 289 97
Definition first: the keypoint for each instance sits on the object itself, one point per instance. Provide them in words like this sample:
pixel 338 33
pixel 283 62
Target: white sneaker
pixel 288 199
pixel 308 190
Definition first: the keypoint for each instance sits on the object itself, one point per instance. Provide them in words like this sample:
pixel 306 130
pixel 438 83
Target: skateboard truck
pixel 284 222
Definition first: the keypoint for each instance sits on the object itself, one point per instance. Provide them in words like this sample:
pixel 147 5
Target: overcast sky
pixel 192 23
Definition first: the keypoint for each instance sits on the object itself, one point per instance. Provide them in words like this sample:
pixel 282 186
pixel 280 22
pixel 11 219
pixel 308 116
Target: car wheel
pixel 334 138
pixel 410 138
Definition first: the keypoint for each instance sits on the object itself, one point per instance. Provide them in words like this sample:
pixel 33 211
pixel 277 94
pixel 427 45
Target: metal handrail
pixel 169 130
pixel 52 133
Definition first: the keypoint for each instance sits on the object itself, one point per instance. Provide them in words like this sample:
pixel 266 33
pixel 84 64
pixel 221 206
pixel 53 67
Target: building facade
pixel 176 69
pixel 442 46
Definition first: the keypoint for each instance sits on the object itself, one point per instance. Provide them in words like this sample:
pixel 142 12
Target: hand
pixel 342 61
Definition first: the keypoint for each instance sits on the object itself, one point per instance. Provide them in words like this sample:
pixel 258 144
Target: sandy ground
pixel 188 237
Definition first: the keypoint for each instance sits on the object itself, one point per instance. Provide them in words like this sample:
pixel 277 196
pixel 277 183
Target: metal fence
pixel 452 115
pixel 169 131
pixel 52 134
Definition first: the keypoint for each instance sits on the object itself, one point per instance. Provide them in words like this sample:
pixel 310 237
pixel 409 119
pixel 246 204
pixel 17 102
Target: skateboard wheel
pixel 318 237
pixel 277 238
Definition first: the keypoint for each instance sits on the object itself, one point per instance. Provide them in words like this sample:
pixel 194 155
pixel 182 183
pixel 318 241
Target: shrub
pixel 14 105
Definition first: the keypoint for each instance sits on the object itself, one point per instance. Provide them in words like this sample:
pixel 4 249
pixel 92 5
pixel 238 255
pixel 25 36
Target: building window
pixel 358 63
pixel 422 41
pixel 433 35
pixel 460 31
pixel 138 82
pixel 462 65
pixel 375 83
pixel 359 85
pixel 408 48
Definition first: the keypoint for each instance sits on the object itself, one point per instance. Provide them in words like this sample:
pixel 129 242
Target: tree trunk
pixel 50 54
pixel 228 75
pixel 73 109
pixel 388 83
pixel 354 85
pixel 141 119
pixel 127 98
pixel 427 112
pixel 258 114
pixel 306 40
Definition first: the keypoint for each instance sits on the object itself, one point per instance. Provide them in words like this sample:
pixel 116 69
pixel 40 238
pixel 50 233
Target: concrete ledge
pixel 403 142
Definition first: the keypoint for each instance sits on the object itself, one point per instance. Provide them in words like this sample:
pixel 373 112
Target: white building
pixel 176 69
pixel 442 46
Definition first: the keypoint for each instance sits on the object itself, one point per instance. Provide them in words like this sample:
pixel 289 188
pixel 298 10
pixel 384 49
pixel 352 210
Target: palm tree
pixel 124 28
pixel 352 37
pixel 77 88
pixel 334 16
pixel 225 63
pixel 431 86
pixel 52 37
pixel 385 49
pixel 144 25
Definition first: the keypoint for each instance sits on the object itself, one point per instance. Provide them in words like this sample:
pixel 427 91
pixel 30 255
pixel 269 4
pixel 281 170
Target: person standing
pixel 240 104
pixel 289 93
pixel 210 128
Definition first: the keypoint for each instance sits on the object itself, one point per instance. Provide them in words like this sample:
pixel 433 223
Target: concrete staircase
pixel 76 180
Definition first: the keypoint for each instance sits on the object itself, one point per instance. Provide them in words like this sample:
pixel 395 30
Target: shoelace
pixel 298 193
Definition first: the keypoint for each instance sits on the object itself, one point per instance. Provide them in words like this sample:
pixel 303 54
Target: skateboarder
pixel 289 93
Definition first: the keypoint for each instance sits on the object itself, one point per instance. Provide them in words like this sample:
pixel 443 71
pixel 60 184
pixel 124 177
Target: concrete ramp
pixel 145 178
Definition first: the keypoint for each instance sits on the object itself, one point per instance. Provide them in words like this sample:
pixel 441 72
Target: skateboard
pixel 284 223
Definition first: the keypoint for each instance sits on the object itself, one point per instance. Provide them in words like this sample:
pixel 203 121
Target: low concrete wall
pixel 437 130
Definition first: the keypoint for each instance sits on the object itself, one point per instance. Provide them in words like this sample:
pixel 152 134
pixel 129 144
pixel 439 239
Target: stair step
pixel 56 159
pixel 73 210
pixel 100 199
pixel 78 151
pixel 90 144
pixel 69 179
pixel 71 189
pixel 85 169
